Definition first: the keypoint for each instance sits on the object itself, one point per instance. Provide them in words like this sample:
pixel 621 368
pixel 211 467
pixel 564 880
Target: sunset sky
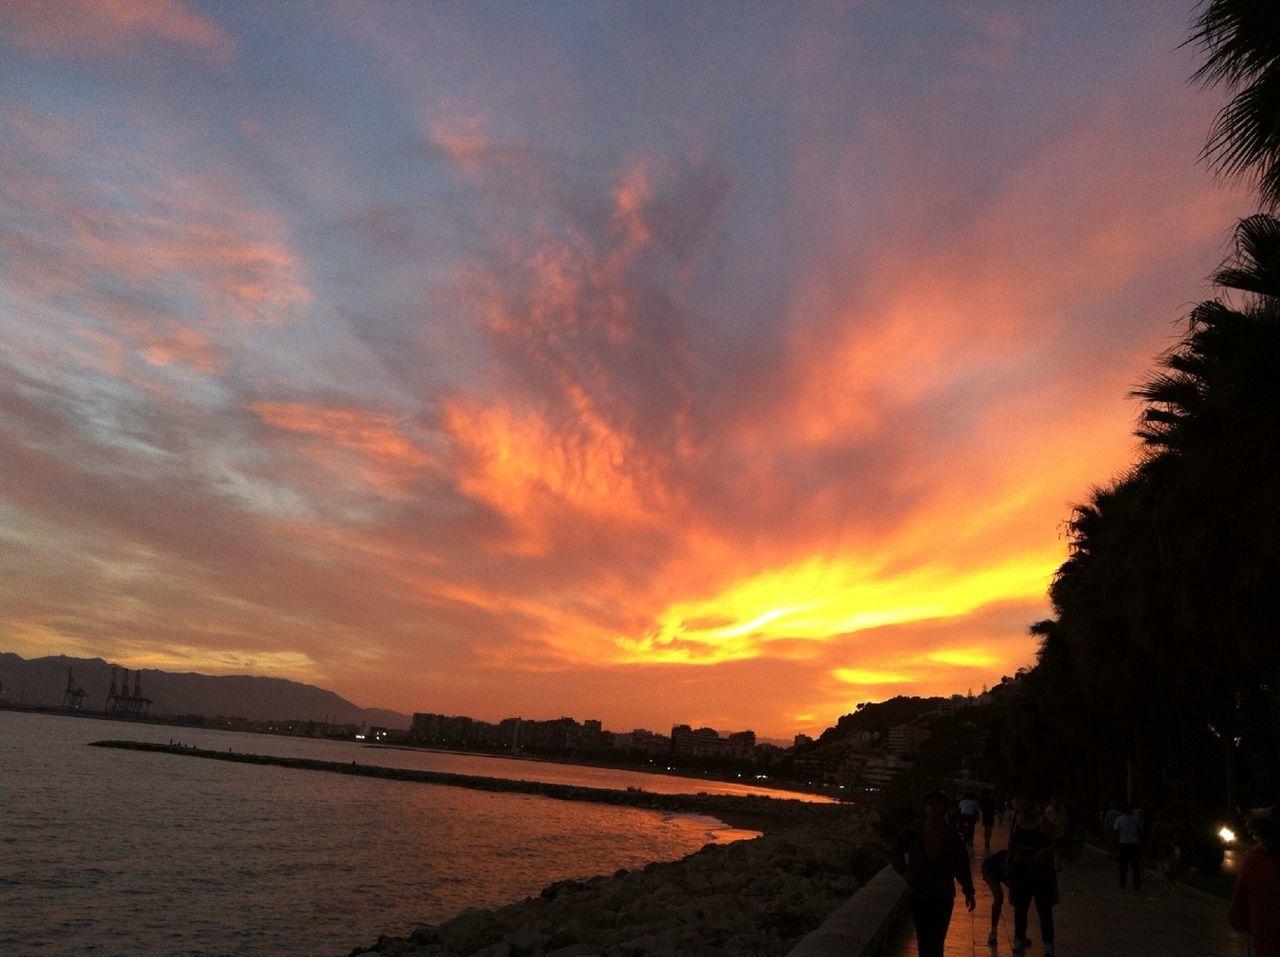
pixel 718 363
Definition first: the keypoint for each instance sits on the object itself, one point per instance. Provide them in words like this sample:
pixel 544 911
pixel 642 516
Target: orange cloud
pixel 536 475
pixel 182 345
pixel 630 198
pixel 216 254
pixel 98 27
pixel 370 445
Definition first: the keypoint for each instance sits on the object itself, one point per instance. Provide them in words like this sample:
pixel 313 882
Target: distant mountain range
pixel 42 682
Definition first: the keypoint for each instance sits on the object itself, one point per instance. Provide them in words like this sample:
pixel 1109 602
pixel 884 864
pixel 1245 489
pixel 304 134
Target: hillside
pixel 42 681
pixel 879 717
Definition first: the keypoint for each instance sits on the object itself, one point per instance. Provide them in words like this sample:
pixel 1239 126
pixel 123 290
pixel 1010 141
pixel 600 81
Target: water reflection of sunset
pixel 634 379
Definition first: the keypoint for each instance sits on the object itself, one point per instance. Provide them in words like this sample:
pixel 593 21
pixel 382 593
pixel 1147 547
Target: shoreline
pixel 744 812
pixel 759 897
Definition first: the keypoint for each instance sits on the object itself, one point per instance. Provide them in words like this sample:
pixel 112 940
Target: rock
pixel 567 934
pixel 575 950
pixel 470 931
pixel 526 941
pixel 426 934
pixel 552 891
pixel 500 949
pixel 642 911
pixel 636 947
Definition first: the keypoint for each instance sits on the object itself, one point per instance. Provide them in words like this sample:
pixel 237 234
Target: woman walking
pixel 1031 874
pixel 932 856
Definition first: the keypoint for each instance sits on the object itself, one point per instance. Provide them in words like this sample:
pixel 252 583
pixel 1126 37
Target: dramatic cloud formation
pixel 652 364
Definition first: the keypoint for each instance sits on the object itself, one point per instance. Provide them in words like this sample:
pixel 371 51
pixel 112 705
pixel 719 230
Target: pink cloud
pixel 347 441
pixel 101 27
pixel 463 136
pixel 163 261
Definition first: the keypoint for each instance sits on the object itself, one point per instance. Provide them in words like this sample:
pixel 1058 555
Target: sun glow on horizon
pixel 819 599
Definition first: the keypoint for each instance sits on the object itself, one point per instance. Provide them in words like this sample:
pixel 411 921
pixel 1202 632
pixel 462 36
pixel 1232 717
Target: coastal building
pixel 907 738
pixel 690 742
pixel 880 770
pixel 741 745
pixel 452 731
pixel 851 770
pixel 645 741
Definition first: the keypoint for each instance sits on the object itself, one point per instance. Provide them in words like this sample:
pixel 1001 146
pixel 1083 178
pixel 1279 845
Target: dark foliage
pixel 1241 44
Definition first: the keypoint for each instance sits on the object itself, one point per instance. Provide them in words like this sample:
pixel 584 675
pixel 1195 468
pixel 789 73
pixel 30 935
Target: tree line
pixel 1157 676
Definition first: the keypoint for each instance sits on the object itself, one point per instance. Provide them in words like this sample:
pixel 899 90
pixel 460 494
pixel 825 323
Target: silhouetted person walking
pixel 988 805
pixel 1255 905
pixel 995 875
pixel 931 856
pixel 969 811
pixel 1031 874
pixel 1109 828
pixel 1160 847
pixel 1129 846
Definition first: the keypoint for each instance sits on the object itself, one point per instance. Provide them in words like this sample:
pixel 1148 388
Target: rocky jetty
pixel 754 897
pixel 751 812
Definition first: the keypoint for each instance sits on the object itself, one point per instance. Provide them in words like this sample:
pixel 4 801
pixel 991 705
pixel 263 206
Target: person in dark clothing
pixel 988 804
pixel 1129 846
pixel 1031 874
pixel 1255 905
pixel 931 856
pixel 995 874
pixel 969 811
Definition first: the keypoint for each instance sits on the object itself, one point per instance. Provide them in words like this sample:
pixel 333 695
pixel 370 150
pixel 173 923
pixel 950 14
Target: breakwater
pixel 753 812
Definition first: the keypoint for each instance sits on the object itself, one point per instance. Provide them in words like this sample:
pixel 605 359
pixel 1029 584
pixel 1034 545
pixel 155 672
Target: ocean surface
pixel 122 852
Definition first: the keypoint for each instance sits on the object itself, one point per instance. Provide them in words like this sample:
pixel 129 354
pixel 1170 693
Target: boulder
pixel 470 931
pixel 526 941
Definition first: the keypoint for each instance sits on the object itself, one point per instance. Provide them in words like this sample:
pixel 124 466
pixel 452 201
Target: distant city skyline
pixel 736 362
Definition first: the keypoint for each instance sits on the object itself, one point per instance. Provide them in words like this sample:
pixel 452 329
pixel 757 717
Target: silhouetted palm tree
pixel 1221 377
pixel 1165 642
pixel 1241 40
pixel 1255 267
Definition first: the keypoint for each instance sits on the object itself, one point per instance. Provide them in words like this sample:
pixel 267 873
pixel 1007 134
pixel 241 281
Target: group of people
pixel 932 855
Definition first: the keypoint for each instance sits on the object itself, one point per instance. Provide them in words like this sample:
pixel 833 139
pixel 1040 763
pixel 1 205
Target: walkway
pixel 1096 918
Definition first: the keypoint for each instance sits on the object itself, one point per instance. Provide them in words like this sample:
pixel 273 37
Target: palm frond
pixel 1240 37
pixel 1241 43
pixel 1255 265
pixel 1176 390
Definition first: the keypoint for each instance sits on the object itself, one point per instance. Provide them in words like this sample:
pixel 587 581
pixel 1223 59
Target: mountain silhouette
pixel 41 682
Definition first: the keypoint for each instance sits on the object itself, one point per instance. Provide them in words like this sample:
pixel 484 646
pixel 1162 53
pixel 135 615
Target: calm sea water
pixel 120 852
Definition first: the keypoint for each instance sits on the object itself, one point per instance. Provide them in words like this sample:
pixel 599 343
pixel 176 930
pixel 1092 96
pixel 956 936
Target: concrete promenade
pixel 1096 918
